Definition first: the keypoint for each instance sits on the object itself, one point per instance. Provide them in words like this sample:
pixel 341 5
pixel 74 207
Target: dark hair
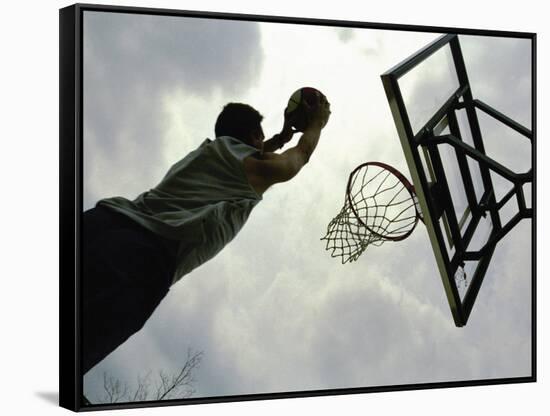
pixel 238 120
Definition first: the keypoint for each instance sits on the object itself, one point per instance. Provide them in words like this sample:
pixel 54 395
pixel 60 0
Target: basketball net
pixel 380 206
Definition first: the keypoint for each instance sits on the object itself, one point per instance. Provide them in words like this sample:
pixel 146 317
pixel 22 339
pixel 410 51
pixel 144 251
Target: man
pixel 133 251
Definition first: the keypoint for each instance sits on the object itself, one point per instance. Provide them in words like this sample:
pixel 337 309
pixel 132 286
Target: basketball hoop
pixel 380 205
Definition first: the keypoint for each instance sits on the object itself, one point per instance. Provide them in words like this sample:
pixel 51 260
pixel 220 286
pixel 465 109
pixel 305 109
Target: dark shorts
pixel 126 271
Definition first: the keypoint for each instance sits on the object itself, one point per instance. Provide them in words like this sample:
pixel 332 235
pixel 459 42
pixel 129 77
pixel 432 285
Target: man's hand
pixel 280 139
pixel 275 168
pixel 288 131
pixel 318 114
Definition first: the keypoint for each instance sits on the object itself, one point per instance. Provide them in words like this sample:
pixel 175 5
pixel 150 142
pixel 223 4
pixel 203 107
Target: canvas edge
pixel 70 381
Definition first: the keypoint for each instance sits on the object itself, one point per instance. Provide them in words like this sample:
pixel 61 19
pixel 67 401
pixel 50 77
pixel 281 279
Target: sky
pixel 273 312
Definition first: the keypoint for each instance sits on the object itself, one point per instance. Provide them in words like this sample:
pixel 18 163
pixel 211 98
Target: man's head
pixel 242 122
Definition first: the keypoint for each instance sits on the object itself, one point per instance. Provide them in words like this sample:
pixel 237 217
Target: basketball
pixel 296 108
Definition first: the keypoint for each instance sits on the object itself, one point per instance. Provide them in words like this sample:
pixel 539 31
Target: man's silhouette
pixel 133 251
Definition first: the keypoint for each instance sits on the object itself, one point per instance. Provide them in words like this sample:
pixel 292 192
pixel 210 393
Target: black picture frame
pixel 71 207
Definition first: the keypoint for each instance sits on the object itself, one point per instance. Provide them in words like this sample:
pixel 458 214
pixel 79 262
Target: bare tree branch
pixel 114 389
pixel 183 381
pixel 178 386
pixel 142 390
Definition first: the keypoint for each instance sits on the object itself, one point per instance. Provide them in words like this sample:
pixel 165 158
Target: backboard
pixel 436 117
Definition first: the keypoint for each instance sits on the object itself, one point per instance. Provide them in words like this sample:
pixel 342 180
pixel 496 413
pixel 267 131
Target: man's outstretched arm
pixel 275 143
pixel 274 168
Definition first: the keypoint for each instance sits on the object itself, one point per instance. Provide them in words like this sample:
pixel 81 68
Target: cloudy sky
pixel 273 312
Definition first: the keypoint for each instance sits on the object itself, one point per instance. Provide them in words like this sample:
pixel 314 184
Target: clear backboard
pixel 436 117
